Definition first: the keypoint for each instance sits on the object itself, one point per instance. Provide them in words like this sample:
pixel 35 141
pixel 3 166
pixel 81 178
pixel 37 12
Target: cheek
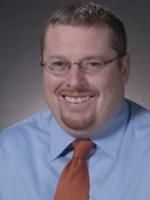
pixel 103 82
pixel 46 85
pixel 48 88
pixel 49 82
pixel 110 87
pixel 110 95
pixel 113 81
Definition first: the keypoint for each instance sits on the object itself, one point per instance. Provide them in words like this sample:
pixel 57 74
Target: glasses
pixel 60 66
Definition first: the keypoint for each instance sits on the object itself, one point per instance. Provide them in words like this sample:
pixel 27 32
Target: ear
pixel 125 68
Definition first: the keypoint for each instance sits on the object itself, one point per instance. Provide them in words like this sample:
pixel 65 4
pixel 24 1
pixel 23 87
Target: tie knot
pixel 82 147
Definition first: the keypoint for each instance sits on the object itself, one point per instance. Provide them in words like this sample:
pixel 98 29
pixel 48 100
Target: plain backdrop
pixel 21 24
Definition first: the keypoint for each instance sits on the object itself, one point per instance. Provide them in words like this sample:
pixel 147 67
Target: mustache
pixel 82 90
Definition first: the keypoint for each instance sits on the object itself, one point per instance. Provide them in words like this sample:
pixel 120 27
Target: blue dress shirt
pixel 32 157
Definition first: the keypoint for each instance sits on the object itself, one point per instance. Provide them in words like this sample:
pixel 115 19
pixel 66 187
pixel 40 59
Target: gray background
pixel 20 75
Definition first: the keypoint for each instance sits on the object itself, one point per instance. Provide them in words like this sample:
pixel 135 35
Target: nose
pixel 75 77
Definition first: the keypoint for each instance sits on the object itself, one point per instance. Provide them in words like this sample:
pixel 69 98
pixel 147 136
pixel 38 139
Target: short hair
pixel 89 15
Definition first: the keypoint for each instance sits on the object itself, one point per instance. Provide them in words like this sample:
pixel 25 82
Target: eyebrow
pixel 84 58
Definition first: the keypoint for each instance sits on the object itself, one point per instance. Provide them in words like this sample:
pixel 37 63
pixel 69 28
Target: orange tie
pixel 74 180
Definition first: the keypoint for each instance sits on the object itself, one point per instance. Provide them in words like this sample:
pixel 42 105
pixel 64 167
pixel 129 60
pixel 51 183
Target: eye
pixel 94 64
pixel 57 65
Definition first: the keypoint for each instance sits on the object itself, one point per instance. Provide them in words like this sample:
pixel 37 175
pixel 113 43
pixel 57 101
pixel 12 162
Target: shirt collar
pixel 59 139
pixel 108 140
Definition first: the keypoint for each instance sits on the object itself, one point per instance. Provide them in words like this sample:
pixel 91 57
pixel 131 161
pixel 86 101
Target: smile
pixel 77 100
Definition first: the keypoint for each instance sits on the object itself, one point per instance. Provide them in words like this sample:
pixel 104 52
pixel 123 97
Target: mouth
pixel 77 99
pixel 76 103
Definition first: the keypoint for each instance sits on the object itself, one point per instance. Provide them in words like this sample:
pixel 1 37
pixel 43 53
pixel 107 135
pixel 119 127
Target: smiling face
pixel 82 103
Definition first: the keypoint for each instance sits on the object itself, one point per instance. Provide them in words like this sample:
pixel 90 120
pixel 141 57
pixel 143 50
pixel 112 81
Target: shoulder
pixel 24 148
pixel 138 110
pixel 139 127
pixel 138 115
pixel 27 130
pixel 135 149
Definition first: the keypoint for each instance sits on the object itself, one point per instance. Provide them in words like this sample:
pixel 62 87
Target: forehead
pixel 63 31
pixel 66 38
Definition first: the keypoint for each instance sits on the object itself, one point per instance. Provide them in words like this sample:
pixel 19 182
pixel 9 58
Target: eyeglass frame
pixel 82 69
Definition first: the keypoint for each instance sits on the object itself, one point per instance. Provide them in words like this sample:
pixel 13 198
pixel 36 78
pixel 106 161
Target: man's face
pixel 82 103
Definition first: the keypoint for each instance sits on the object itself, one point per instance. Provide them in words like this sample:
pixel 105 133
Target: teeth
pixel 77 99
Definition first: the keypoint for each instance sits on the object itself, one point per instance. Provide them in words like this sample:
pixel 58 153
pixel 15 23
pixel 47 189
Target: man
pixel 85 69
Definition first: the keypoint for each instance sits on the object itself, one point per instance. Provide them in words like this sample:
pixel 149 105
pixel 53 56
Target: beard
pixel 77 123
pixel 77 120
